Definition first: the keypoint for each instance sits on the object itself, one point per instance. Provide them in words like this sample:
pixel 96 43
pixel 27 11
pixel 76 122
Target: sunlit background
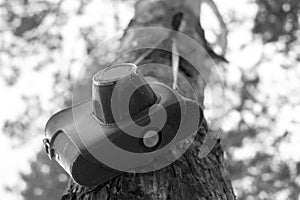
pixel 43 44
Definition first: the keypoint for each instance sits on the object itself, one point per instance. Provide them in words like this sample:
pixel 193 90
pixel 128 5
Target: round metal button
pixel 151 138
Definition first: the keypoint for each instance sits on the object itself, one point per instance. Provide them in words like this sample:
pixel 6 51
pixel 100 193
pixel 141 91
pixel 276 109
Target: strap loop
pixel 48 148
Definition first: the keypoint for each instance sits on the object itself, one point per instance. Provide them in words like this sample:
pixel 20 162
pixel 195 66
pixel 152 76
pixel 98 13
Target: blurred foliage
pixel 47 179
pixel 23 123
pixel 262 173
pixel 36 29
pixel 277 20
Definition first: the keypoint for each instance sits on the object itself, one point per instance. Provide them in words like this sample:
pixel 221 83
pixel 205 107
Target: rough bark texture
pixel 190 177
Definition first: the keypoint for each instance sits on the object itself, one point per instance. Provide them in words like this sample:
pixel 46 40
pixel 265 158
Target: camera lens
pixel 120 79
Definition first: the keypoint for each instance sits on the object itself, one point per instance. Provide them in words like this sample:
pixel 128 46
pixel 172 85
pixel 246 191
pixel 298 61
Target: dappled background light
pixel 44 43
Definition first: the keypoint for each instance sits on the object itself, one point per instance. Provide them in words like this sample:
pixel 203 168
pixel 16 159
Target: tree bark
pixel 190 177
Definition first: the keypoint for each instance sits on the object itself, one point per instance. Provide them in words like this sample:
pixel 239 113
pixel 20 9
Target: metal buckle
pixel 49 149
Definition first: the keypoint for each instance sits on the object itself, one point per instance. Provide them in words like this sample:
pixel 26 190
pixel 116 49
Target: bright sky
pixel 16 160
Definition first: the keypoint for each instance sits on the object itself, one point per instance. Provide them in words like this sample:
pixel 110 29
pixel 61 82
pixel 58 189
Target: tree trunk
pixel 190 177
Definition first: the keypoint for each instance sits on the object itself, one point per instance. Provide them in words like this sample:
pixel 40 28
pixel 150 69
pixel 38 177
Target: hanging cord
pixel 175 63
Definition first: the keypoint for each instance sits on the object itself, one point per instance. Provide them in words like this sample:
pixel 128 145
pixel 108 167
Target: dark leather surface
pixel 70 140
